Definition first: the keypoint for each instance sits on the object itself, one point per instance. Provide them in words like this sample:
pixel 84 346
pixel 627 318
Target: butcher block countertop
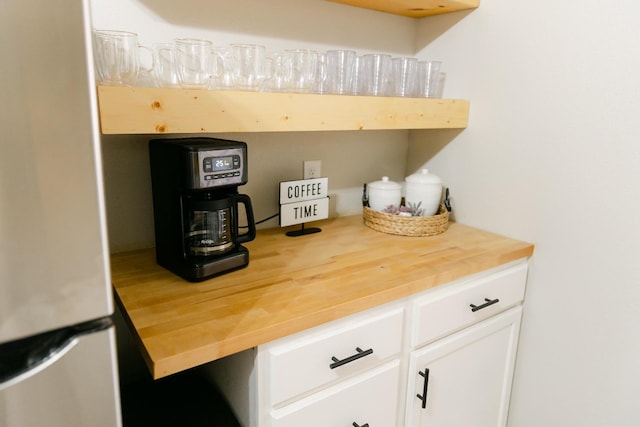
pixel 291 284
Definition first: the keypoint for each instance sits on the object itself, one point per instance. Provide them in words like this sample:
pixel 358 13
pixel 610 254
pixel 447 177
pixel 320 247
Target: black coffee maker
pixel 195 205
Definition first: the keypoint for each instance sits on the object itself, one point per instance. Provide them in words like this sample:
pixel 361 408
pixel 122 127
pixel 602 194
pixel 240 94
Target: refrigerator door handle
pixel 26 357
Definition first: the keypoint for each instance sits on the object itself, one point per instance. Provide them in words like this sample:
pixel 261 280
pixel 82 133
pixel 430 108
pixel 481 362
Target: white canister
pixel 426 188
pixel 384 193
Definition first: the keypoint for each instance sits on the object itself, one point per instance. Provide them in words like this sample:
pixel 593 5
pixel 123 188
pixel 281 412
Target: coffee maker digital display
pixel 196 205
pixel 218 164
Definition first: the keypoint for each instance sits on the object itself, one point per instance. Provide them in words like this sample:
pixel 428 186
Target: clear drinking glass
pixel 428 78
pixel 164 70
pixel 278 73
pixel 357 73
pixel 195 62
pixel 248 66
pixel 117 57
pixel 403 81
pixel 303 69
pixel 340 67
pixel 376 69
pixel 320 82
pixel 224 79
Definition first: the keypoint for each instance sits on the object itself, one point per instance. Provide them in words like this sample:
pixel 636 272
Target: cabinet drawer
pixel 370 398
pixel 305 361
pixel 448 310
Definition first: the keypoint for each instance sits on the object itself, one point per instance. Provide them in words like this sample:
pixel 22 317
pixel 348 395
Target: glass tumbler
pixel 428 72
pixel 376 69
pixel 195 62
pixel 340 67
pixel 403 81
pixel 302 66
pixel 117 57
pixel 249 66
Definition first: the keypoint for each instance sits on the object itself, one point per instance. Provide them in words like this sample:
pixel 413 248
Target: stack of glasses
pixel 196 63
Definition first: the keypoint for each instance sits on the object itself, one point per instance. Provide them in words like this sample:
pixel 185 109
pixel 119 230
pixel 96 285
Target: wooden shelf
pixel 141 110
pixel 413 8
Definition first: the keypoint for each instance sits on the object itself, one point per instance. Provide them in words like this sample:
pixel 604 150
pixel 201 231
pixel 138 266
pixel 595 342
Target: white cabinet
pixel 348 372
pixel 464 339
pixel 465 378
pixel 440 358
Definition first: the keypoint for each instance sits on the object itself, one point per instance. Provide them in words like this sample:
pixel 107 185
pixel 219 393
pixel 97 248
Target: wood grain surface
pixel 144 110
pixel 413 8
pixel 291 284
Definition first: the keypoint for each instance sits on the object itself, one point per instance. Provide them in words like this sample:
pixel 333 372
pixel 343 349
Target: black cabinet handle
pixel 487 303
pixel 355 424
pixel 360 353
pixel 425 387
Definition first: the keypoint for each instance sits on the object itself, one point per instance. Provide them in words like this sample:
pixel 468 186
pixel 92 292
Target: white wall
pixel 275 23
pixel 552 156
pixel 348 158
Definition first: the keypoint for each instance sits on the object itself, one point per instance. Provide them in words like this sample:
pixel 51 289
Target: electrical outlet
pixel 311 169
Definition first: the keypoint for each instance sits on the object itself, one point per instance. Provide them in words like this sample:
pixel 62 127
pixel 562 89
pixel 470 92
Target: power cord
pixel 261 221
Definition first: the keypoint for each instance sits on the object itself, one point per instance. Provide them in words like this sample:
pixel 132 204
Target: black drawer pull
pixel 488 302
pixel 425 387
pixel 355 424
pixel 360 353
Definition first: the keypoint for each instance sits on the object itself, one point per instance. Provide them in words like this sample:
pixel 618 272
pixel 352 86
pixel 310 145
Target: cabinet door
pixel 465 379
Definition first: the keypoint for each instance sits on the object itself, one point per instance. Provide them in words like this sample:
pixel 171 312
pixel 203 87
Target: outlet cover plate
pixel 311 169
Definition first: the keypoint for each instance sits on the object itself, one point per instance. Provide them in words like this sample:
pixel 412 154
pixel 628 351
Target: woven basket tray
pixel 407 226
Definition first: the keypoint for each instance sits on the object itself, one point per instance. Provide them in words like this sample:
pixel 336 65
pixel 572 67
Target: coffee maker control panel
pixel 213 165
pixel 221 167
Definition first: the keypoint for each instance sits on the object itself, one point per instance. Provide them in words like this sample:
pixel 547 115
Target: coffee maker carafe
pixel 196 205
pixel 210 223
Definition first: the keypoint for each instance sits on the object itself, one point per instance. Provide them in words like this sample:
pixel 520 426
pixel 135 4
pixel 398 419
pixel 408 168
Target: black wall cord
pixel 261 221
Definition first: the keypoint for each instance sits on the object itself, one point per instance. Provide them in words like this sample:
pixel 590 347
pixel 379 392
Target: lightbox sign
pixel 303 201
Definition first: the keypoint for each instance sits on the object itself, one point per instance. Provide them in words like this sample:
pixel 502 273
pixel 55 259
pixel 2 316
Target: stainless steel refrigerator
pixel 58 363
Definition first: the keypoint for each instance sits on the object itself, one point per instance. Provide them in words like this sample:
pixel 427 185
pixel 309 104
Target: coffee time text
pixel 303 201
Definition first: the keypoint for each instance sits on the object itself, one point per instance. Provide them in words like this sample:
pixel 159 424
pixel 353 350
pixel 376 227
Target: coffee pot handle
pixel 251 223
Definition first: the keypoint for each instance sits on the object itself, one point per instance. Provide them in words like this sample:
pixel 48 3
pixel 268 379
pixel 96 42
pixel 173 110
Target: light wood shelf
pixel 140 110
pixel 413 8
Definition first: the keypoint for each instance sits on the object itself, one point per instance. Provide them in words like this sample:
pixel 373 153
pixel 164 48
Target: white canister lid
pixel 423 177
pixel 385 184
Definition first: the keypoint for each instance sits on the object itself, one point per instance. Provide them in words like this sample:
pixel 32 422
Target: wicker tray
pixel 407 226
